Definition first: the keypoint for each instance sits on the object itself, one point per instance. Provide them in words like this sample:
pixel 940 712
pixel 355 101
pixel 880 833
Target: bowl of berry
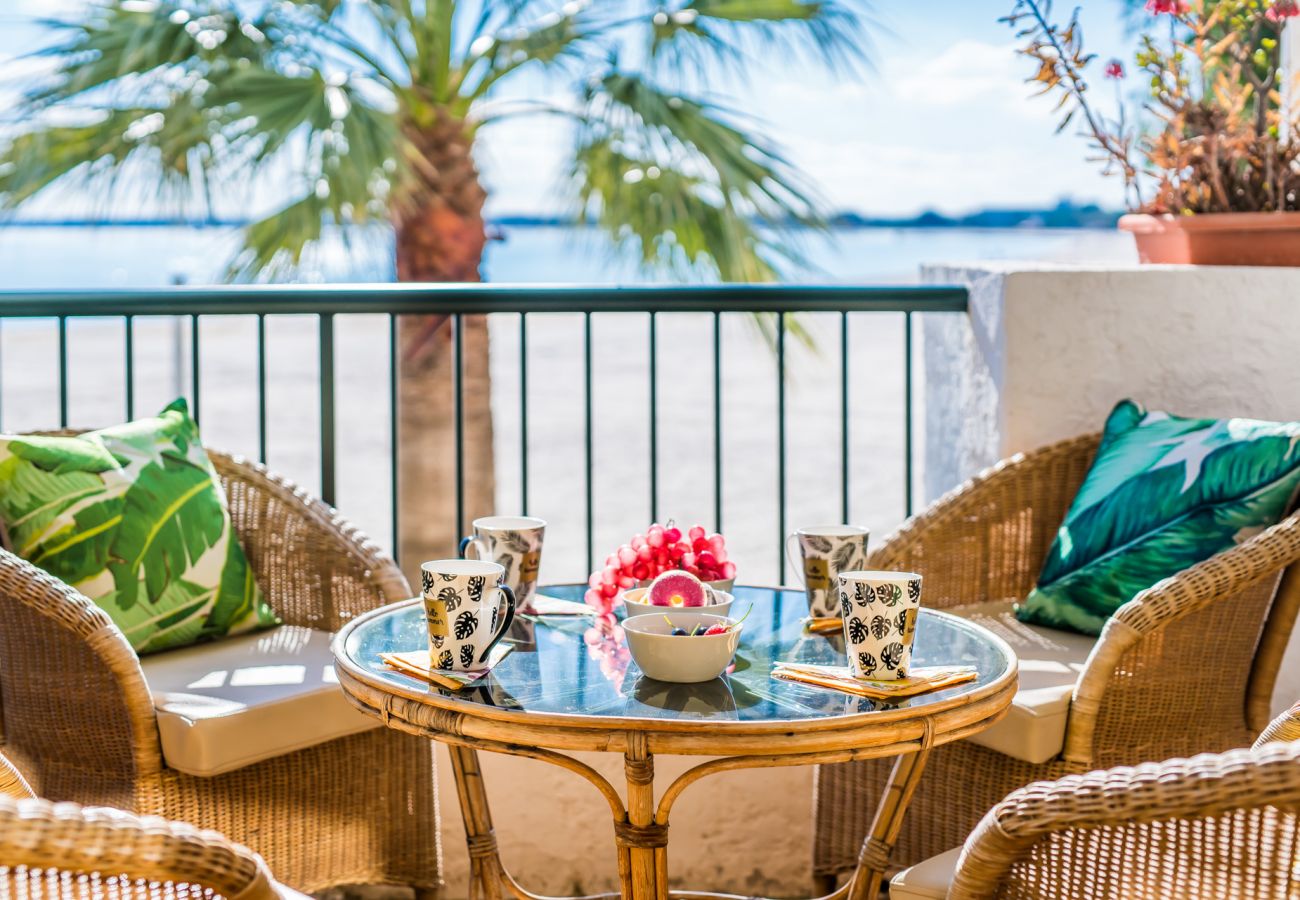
pixel 682 646
pixel 662 548
pixel 676 589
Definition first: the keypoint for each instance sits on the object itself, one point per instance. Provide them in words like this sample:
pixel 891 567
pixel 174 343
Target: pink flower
pixel 1282 10
pixel 1114 69
pixel 1173 7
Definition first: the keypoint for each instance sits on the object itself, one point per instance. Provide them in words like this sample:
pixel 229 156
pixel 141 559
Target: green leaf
pixel 81 550
pixel 1082 600
pixel 239 600
pixel 61 455
pixel 172 514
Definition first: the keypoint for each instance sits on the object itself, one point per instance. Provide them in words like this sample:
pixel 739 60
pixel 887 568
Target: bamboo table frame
pixel 641 825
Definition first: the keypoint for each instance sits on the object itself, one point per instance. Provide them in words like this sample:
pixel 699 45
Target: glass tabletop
pixel 580 665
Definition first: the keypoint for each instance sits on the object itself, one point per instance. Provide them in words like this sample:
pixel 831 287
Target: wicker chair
pixel 1223 826
pixel 60 851
pixel 1186 667
pixel 79 721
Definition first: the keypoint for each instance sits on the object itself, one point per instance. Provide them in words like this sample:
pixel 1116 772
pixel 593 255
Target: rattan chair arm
pixel 46 617
pixel 69 838
pixel 1205 785
pixel 1283 729
pixel 1267 554
pixel 12 783
pixel 336 545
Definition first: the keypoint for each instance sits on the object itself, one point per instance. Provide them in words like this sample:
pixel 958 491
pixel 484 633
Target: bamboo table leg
pixel 873 859
pixel 485 869
pixel 644 842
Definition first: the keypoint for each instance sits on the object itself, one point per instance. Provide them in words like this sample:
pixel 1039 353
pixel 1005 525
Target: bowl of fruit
pixel 676 589
pixel 682 646
pixel 662 548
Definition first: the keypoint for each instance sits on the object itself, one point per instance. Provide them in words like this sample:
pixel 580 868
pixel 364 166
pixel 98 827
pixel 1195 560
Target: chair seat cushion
pixel 227 705
pixel 927 880
pixel 1033 729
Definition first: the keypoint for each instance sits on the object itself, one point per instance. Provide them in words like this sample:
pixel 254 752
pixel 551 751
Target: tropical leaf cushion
pixel 134 517
pixel 1164 493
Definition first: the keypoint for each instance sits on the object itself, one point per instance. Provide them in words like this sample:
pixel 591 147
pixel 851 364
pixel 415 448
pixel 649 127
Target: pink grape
pixel 609 575
pixel 638 541
pixel 626 555
pixel 656 536
pixel 688 560
pixel 696 533
pixel 644 553
pixel 626 581
pixel 717 543
pixel 728 570
pixel 594 580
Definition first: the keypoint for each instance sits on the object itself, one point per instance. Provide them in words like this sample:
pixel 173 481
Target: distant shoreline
pixel 1064 215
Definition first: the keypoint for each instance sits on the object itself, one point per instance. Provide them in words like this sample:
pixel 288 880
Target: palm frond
pixel 554 38
pixel 738 32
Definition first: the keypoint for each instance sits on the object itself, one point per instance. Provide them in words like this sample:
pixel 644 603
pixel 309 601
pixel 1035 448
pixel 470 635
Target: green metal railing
pixel 455 301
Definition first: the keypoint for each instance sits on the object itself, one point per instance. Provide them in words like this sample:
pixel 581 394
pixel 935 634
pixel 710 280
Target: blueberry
pixel 699 629
pixel 679 632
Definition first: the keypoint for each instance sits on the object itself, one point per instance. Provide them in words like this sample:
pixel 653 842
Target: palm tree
pixel 361 112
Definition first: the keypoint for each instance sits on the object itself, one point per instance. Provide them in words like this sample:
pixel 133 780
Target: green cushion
pixel 1163 494
pixel 134 517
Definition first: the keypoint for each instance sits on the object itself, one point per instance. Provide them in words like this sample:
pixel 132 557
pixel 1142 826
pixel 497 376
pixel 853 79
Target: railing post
pixel 327 407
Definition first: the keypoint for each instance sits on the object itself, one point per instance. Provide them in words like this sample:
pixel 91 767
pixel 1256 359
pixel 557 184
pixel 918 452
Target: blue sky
pixel 943 121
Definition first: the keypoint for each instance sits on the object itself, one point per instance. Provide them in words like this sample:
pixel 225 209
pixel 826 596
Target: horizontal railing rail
pixel 325 302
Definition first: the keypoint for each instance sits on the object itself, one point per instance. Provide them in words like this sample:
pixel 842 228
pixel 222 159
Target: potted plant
pixel 1210 167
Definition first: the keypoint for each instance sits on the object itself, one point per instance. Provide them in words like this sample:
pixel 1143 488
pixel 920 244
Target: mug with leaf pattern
pixel 879 610
pixel 468 609
pixel 514 542
pixel 824 552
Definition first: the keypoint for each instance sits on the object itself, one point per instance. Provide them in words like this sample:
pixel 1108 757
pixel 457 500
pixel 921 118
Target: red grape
pixel 706 559
pixel 699 544
pixel 672 535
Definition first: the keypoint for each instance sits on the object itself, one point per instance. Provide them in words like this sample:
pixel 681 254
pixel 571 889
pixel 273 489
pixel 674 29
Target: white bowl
pixel 681 658
pixel 633 597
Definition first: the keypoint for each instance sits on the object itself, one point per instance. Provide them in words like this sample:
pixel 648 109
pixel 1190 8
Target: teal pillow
pixel 134 517
pixel 1163 494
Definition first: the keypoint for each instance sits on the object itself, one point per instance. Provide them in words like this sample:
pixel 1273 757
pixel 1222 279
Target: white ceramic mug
pixel 515 543
pixel 467 609
pixel 879 611
pixel 824 552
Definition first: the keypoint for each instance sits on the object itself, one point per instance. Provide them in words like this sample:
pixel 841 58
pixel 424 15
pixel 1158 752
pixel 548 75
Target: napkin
pixel 542 605
pixel 416 663
pixel 840 678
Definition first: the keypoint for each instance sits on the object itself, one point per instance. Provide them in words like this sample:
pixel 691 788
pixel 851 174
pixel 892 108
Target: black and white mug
pixel 879 611
pixel 468 610
pixel 824 552
pixel 514 542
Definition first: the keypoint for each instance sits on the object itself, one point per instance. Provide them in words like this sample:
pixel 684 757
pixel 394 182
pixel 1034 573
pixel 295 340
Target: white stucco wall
pixel 1045 353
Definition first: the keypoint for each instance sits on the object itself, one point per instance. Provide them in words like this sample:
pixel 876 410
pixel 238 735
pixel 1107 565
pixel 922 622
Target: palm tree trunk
pixel 440 238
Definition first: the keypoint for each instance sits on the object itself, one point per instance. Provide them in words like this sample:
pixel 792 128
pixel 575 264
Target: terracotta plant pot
pixel 1217 239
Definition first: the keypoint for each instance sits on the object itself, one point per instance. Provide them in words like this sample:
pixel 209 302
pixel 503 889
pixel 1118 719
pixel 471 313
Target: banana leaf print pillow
pixel 1164 493
pixel 134 517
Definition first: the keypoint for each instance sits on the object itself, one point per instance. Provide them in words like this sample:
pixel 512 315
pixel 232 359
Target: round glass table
pixel 569 684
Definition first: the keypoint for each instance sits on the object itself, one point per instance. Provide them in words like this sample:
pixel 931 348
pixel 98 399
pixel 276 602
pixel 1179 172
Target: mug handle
pixel 796 564
pixel 468 541
pixel 506 621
